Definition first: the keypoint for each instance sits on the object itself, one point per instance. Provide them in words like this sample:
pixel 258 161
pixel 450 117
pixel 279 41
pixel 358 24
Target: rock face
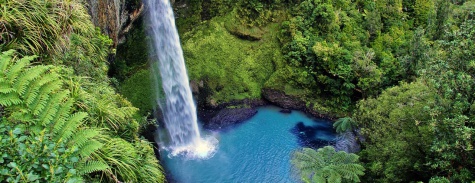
pixel 114 17
pixel 288 102
pixel 228 117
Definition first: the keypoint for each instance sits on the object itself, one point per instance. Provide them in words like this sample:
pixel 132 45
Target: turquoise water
pixel 258 150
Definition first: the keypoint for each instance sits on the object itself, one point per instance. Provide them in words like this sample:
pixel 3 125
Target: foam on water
pixel 203 148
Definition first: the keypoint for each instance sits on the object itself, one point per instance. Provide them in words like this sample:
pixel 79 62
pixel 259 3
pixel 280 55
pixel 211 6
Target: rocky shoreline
pixel 224 115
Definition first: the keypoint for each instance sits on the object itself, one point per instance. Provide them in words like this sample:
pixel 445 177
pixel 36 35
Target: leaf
pixel 17 131
pixel 32 177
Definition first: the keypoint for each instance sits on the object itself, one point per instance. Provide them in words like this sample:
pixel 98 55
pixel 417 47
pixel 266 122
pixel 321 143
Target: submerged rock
pixel 347 142
pixel 228 117
pixel 285 111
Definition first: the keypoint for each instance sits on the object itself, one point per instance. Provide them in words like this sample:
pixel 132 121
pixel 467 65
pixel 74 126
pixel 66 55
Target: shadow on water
pixel 311 136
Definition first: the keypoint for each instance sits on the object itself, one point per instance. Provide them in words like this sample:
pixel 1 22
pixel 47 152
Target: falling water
pixel 178 109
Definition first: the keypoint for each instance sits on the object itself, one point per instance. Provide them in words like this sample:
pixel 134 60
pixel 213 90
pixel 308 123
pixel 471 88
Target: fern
pixel 5 59
pixel 10 99
pixel 90 148
pixel 92 166
pixel 344 124
pixel 30 74
pixel 326 165
pixel 43 95
pixel 71 124
pixel 19 65
pixel 84 136
pixel 52 106
pixel 33 90
pixel 33 97
pixel 61 116
pixel 5 88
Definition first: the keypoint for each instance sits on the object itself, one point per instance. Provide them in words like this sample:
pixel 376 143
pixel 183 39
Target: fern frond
pixel 34 90
pixel 5 59
pixel 29 75
pixel 47 115
pixel 92 166
pixel 84 136
pixel 10 99
pixel 89 148
pixel 5 88
pixel 43 95
pixel 70 125
pixel 61 116
pixel 18 66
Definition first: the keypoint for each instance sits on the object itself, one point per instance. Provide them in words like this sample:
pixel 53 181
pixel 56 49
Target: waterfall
pixel 178 109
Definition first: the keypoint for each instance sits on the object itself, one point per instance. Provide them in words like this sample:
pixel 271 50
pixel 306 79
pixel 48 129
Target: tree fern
pixel 326 165
pixel 344 124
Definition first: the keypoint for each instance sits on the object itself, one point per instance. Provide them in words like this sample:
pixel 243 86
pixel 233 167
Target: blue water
pixel 258 150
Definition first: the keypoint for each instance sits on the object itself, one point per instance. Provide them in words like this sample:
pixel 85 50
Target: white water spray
pixel 179 110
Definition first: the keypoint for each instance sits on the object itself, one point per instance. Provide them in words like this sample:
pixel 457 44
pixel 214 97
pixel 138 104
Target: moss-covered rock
pixel 235 68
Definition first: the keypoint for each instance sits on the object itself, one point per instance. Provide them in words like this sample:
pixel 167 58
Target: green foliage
pixel 439 180
pixel 59 109
pixel 138 90
pixel 40 124
pixel 30 157
pixel 327 165
pixel 234 68
pixel 398 132
pixel 40 26
pixel 424 127
pixel 321 37
pixel 132 55
pixel 344 124
pixel 36 102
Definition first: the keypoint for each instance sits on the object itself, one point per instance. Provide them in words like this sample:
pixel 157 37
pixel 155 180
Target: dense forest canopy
pixel 401 72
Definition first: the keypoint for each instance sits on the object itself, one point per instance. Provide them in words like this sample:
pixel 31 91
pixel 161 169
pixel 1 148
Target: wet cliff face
pixel 115 17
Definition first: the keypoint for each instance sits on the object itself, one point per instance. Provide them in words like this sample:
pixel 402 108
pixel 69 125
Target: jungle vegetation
pixel 61 119
pixel 398 72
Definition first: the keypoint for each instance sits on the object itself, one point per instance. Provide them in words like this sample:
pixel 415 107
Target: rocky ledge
pixel 229 117
pixel 288 102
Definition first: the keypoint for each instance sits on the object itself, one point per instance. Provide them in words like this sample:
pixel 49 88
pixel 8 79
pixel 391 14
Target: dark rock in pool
pixel 285 111
pixel 228 117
